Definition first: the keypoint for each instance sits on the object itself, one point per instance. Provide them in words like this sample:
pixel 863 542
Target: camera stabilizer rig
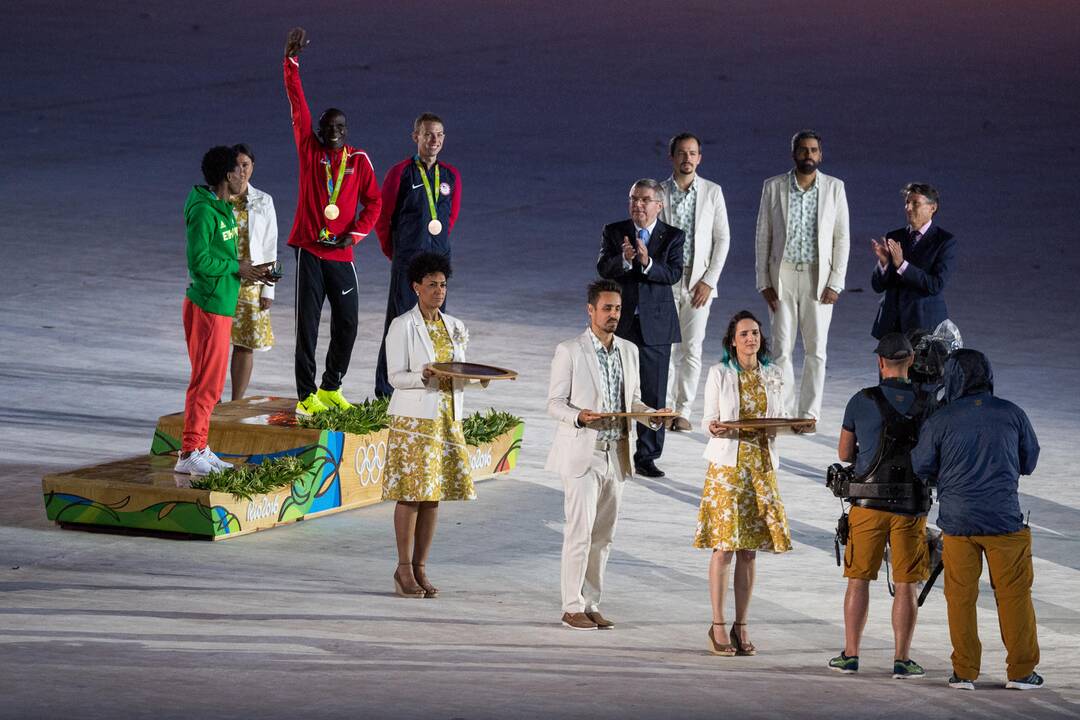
pixel 841 480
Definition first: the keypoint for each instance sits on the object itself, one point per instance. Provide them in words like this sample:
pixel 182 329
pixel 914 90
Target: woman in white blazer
pixel 257 242
pixel 427 459
pixel 741 511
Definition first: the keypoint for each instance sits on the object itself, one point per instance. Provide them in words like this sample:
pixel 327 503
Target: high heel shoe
pixel 741 648
pixel 413 591
pixel 430 591
pixel 725 650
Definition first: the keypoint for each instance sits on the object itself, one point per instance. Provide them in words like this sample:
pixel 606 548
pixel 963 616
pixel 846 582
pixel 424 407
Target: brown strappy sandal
pixel 430 591
pixel 740 647
pixel 414 591
pixel 725 650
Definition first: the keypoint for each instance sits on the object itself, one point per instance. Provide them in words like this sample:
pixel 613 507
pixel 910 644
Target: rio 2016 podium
pixel 343 471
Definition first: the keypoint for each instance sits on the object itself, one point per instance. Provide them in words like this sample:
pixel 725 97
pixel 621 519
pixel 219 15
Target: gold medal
pixel 434 227
pixel 333 189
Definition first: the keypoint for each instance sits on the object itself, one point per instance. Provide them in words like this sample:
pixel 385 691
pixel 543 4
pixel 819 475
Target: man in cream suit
pixel 695 206
pixel 801 252
pixel 593 373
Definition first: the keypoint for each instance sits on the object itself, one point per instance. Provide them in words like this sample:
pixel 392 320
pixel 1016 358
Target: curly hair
pixel 428 263
pixel 218 162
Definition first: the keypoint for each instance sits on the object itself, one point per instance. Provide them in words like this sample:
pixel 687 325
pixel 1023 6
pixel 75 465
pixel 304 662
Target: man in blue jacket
pixel 978 446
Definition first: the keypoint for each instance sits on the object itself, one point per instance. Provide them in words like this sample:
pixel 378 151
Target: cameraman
pixel 978 446
pixel 889 504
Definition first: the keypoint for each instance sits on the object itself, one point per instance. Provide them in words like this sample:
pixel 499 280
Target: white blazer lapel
pixel 784 189
pixel 591 363
pixel 824 204
pixel 420 328
pixel 699 210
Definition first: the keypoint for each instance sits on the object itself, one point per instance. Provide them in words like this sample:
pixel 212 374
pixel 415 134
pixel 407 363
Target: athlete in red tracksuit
pixel 328 222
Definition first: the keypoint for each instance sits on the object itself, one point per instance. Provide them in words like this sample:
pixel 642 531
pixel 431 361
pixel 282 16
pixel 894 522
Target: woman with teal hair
pixel 741 511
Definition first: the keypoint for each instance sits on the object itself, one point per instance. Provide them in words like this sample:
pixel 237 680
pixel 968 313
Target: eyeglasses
pixel 642 200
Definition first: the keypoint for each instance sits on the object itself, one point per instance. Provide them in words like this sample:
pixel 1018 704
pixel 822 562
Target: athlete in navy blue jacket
pixel 421 199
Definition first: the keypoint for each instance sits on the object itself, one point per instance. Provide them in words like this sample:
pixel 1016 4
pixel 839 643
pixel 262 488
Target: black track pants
pixel 318 280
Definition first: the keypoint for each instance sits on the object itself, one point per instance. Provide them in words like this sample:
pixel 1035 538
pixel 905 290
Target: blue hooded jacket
pixel 977 446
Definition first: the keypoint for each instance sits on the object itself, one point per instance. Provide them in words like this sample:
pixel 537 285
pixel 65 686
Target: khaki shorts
pixel 869 530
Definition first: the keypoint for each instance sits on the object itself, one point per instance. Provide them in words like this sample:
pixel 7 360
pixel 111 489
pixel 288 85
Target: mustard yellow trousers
pixel 1008 558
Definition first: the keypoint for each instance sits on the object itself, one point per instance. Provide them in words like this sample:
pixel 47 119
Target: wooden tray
pixel 657 413
pixel 472 371
pixel 766 423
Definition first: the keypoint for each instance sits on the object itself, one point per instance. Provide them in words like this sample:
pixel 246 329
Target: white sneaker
pixel 194 464
pixel 216 462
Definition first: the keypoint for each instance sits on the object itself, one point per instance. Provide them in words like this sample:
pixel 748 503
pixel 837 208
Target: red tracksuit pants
pixel 207 338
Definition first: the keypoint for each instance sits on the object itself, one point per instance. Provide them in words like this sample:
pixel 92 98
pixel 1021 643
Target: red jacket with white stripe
pixel 359 200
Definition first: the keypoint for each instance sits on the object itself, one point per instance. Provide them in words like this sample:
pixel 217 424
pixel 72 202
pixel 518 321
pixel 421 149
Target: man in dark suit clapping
pixel 645 256
pixel 914 263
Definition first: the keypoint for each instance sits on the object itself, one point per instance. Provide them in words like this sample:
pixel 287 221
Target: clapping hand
pixel 296 42
pixel 642 253
pixel 628 251
pixel 881 250
pixel 895 252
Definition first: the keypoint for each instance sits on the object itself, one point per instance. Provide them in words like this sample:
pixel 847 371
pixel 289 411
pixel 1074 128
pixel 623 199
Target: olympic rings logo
pixel 369 462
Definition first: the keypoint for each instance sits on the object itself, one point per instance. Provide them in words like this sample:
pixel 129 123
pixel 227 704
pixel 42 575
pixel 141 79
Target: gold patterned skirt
pixel 427 460
pixel 741 509
pixel 251 325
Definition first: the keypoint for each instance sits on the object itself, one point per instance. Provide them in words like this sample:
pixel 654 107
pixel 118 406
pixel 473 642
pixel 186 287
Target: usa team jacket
pixel 359 187
pixel 403 224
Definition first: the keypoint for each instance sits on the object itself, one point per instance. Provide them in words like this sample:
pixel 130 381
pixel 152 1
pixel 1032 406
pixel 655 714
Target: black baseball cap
pixel 894 346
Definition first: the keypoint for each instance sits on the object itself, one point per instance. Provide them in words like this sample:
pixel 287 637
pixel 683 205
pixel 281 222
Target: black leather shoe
pixel 648 469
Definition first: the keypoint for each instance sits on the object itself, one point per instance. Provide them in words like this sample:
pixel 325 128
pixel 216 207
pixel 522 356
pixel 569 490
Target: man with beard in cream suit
pixel 591 374
pixel 801 252
pixel 695 206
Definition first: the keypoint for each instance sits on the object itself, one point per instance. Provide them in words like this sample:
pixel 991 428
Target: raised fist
pixel 295 42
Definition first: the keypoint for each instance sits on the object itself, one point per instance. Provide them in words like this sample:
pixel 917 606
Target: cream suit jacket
pixel 833 235
pixel 575 386
pixel 408 350
pixel 712 235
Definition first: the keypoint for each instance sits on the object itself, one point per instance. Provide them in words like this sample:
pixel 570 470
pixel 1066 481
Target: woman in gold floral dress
pixel 257 242
pixel 741 511
pixel 427 459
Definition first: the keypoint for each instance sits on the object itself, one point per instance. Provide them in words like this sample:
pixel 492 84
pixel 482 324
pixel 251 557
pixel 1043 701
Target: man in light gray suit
pixel 801 252
pixel 695 206
pixel 591 374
